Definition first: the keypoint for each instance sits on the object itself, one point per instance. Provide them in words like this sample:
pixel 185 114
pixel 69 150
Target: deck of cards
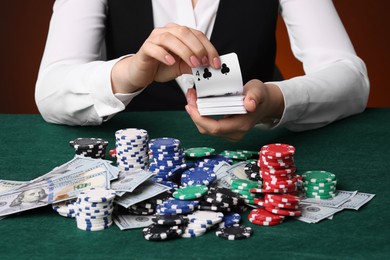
pixel 220 91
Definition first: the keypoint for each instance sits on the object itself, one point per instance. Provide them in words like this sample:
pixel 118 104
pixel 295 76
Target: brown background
pixel 24 25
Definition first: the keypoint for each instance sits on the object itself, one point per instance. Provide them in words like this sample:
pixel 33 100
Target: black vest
pixel 245 27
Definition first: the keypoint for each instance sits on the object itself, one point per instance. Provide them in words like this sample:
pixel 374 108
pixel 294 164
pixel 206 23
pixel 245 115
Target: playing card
pixel 225 81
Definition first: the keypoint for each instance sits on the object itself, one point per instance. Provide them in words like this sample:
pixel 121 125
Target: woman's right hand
pixel 167 53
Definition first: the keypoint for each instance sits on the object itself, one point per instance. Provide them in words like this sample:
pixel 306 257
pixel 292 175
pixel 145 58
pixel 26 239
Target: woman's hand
pixel 167 53
pixel 262 101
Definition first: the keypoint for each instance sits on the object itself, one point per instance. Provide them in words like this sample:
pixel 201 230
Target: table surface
pixel 356 149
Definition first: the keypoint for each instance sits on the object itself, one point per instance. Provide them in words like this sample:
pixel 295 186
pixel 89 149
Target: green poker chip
pixel 190 192
pixel 234 155
pixel 244 183
pixel 318 176
pixel 199 151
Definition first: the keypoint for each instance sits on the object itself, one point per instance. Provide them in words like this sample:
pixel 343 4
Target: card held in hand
pixel 219 91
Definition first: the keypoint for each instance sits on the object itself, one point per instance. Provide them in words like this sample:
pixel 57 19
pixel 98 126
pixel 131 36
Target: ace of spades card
pixel 219 91
pixel 219 82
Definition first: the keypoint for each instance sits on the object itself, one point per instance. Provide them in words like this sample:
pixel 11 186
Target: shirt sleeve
pixel 335 84
pixel 74 80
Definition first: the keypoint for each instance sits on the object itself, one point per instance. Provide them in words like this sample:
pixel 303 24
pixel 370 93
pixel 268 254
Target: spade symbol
pixel 225 69
pixel 207 74
pixel 197 74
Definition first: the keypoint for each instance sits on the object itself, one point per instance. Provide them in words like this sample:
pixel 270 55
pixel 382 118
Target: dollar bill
pixel 313 213
pixel 132 221
pixel 58 189
pixel 226 172
pixel 357 201
pixel 146 190
pixel 341 197
pixel 8 185
pixel 128 181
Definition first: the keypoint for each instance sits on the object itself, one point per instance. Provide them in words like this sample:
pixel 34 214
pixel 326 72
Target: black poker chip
pixel 170 220
pixel 204 205
pixel 252 171
pixel 156 232
pixel 234 232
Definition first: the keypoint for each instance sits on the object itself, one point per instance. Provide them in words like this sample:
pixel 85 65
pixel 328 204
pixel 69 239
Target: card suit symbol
pixel 207 74
pixel 225 69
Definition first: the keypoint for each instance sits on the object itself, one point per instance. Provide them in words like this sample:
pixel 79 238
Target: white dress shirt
pixel 74 83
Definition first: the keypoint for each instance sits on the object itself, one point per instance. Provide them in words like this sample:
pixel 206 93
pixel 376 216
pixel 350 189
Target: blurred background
pixel 24 25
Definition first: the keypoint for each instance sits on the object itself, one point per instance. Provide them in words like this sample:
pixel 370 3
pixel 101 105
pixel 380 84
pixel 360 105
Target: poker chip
pixel 198 176
pixel 155 232
pixel 65 208
pixel 90 147
pixel 190 192
pixel 264 215
pixel 234 155
pixel 206 217
pixel 252 171
pixel 199 152
pixel 234 232
pixel 283 212
pixel 277 150
pixel 170 220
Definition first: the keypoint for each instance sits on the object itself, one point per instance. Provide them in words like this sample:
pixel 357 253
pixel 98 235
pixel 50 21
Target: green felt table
pixel 356 149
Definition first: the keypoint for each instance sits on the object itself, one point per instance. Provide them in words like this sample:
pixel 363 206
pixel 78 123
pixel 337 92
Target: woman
pixel 102 56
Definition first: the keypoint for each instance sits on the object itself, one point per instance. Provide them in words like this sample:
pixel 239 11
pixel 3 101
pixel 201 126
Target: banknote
pixel 146 190
pixel 357 201
pixel 313 213
pixel 8 185
pixel 57 189
pixel 128 181
pixel 132 221
pixel 226 172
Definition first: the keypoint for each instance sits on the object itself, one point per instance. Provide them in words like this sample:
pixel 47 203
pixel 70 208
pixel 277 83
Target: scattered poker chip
pixel 198 176
pixel 231 219
pixel 199 151
pixel 155 232
pixel 234 155
pixel 65 208
pixel 234 232
pixel 206 217
pixel 170 220
pixel 190 192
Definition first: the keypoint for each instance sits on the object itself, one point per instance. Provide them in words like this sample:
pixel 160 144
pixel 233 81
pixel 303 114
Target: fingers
pixel 232 128
pixel 190 45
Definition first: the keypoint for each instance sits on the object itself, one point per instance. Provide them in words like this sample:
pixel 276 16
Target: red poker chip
pixel 262 214
pixel 279 172
pixel 112 153
pixel 279 179
pixel 275 167
pixel 265 223
pixel 276 181
pixel 268 203
pixel 284 212
pixel 269 185
pixel 270 158
pixel 276 163
pixel 285 198
pixel 269 190
pixel 277 150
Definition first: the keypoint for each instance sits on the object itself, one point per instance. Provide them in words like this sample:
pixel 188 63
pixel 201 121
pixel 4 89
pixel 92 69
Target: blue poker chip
pixel 198 176
pixel 160 209
pixel 231 219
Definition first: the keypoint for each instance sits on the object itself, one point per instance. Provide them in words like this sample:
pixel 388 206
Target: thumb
pixel 252 93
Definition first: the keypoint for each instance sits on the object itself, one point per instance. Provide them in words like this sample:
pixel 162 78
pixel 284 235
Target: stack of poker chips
pixel 94 209
pixel 280 183
pixel 90 147
pixel 277 168
pixel 319 184
pixel 132 149
pixel 223 200
pixel 167 155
